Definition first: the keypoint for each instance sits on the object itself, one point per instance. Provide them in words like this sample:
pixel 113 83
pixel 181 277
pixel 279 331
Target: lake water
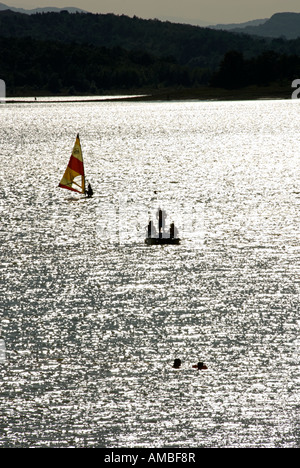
pixel 91 318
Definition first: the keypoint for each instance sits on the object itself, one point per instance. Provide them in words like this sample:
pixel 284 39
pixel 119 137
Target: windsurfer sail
pixel 74 178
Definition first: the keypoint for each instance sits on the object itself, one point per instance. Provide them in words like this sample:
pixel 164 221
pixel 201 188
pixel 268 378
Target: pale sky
pixel 193 11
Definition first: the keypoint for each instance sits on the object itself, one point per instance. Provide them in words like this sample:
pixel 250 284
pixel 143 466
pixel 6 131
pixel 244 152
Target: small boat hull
pixel 162 241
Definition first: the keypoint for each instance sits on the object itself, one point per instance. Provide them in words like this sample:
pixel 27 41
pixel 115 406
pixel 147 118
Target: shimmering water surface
pixel 92 319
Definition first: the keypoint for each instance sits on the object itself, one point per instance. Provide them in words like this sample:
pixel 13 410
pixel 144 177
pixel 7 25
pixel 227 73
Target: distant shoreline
pixel 201 94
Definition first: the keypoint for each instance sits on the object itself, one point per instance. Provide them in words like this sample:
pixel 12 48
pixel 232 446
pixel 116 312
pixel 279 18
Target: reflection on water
pixel 92 318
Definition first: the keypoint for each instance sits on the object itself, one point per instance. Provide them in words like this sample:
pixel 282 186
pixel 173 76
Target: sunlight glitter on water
pixel 92 318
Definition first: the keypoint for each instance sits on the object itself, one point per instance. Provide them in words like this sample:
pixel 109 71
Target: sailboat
pixel 74 177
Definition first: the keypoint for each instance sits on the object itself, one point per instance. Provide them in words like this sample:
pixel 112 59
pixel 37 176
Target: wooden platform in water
pixel 161 241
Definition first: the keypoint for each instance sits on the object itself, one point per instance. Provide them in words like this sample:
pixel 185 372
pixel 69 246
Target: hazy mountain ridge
pixel 232 26
pixel 40 10
pixel 279 25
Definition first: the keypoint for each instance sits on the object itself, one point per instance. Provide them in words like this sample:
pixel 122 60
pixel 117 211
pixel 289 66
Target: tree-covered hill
pixel 86 53
pixel 30 66
pixel 190 45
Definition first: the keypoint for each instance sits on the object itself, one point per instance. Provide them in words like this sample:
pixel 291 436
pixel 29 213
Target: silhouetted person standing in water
pixel 89 192
pixel 177 363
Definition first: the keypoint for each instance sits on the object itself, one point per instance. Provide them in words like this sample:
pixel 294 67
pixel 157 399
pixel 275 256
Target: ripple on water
pixel 93 319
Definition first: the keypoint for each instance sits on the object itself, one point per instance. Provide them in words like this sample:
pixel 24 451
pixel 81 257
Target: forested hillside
pixel 60 68
pixel 187 44
pixel 88 53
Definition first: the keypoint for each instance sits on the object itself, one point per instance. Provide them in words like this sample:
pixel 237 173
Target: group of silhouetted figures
pixel 199 365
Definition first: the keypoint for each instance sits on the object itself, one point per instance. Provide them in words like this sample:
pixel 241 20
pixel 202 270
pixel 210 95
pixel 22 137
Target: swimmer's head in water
pixel 177 363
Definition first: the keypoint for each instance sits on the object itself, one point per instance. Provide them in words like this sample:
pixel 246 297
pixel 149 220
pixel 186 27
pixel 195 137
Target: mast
pixel 83 173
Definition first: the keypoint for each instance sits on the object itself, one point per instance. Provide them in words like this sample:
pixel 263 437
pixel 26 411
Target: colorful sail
pixel 73 178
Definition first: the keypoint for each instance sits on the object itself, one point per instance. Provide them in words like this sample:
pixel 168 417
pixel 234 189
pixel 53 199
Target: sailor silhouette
pixel 89 192
pixel 161 215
